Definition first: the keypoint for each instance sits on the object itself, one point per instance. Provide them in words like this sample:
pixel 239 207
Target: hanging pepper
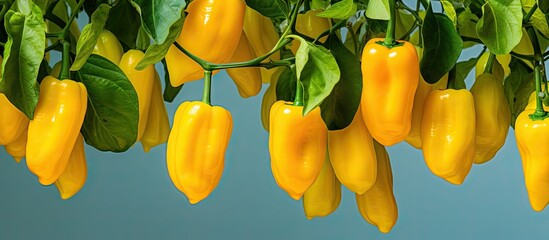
pixel 390 78
pixel 108 46
pixel 247 80
pixel 158 125
pixel 497 68
pixel 53 131
pixel 492 116
pixel 378 205
pixel 297 145
pixel 448 133
pixel 211 31
pixel 12 121
pixel 76 172
pixel 196 148
pixel 353 156
pixel 142 81
pixel 324 196
pixel 263 37
pixel 17 148
pixel 269 98
pixel 310 25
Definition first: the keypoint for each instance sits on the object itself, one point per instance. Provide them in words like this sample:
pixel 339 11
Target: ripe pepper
pixel 378 205
pixel 17 148
pixel 262 36
pixel 108 46
pixel 310 25
pixel 324 196
pixel 530 134
pixel 492 116
pixel 12 121
pixel 211 31
pixel 53 131
pixel 448 133
pixel 158 125
pixel 269 98
pixel 297 145
pixel 247 80
pixel 196 148
pixel 76 172
pixel 390 77
pixel 497 68
pixel 142 82
pixel 353 156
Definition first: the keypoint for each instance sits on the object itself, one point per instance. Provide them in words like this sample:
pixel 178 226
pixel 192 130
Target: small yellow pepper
pixel 12 121
pixel 324 196
pixel 108 46
pixel 74 176
pixel 158 125
pixel 247 80
pixel 18 148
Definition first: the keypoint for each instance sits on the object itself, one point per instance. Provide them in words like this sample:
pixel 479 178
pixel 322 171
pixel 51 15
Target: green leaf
pixel 442 46
pixel 286 85
pixel 543 6
pixel 23 54
pixel 404 22
pixel 60 10
pixel 340 10
pixel 462 70
pixel 378 9
pixel 272 8
pixel 449 10
pixel 42 4
pixel 320 4
pixel 518 86
pixel 317 71
pixel 339 108
pixel 124 22
pixel 112 116
pixel 538 18
pixel 158 16
pixel 467 23
pixel 90 35
pixel 499 28
pixel 156 52
pixel 170 92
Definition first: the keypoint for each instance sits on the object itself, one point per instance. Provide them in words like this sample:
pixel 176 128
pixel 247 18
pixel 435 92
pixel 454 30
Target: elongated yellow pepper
pixel 247 80
pixel 12 121
pixel 108 46
pixel 158 125
pixel 74 176
pixel 18 148
pixel 324 196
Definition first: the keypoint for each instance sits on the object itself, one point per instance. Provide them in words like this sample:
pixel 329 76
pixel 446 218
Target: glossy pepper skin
pixel 211 31
pixel 310 25
pixel 196 148
pixel 12 121
pixel 74 176
pixel 58 118
pixel 247 80
pixel 378 205
pixel 530 134
pixel 324 196
pixel 262 36
pixel 142 82
pixel 158 125
pixel 353 156
pixel 18 148
pixel 297 145
pixel 108 46
pixel 390 78
pixel 492 116
pixel 448 133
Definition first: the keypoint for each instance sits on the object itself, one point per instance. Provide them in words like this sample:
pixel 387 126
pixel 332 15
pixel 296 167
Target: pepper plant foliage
pixel 326 67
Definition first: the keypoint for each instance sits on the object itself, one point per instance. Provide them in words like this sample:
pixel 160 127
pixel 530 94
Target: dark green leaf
pixel 286 85
pixel 271 9
pixel 543 6
pixel 499 28
pixel 112 115
pixel 156 52
pixel 318 72
pixel 89 36
pixel 158 16
pixel 462 70
pixel 339 108
pixel 170 92
pixel 518 86
pixel 442 46
pixel 340 10
pixel 23 54
pixel 124 22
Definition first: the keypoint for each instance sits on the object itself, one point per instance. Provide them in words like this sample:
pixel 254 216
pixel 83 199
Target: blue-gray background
pixel 130 196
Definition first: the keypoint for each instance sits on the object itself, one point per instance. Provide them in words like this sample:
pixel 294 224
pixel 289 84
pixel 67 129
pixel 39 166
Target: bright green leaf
pixel 158 16
pixel 156 52
pixel 538 18
pixel 90 34
pixel 378 9
pixel 340 10
pixel 449 10
pixel 272 8
pixel 499 28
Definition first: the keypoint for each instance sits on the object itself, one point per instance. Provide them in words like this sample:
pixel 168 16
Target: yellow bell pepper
pixel 378 205
pixel 74 176
pixel 142 81
pixel 108 46
pixel 247 80
pixel 158 125
pixel 324 196
pixel 196 148
pixel 211 31
pixel 448 133
pixel 18 148
pixel 297 145
pixel 353 156
pixel 12 121
pixel 310 25
pixel 53 131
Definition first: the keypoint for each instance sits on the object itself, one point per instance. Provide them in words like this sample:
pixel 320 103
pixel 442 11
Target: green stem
pixel 490 63
pixel 53 46
pixel 540 113
pixel 331 30
pixel 74 13
pixel 470 39
pixel 355 40
pixel 535 43
pixel 66 61
pixel 530 13
pixel 206 96
pixel 523 57
pixel 298 100
pixel 409 31
pixel 390 35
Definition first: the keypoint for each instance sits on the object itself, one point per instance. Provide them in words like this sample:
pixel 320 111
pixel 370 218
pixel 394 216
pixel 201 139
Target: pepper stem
pixel 298 100
pixel 490 63
pixel 206 96
pixel 540 113
pixel 66 61
pixel 390 35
